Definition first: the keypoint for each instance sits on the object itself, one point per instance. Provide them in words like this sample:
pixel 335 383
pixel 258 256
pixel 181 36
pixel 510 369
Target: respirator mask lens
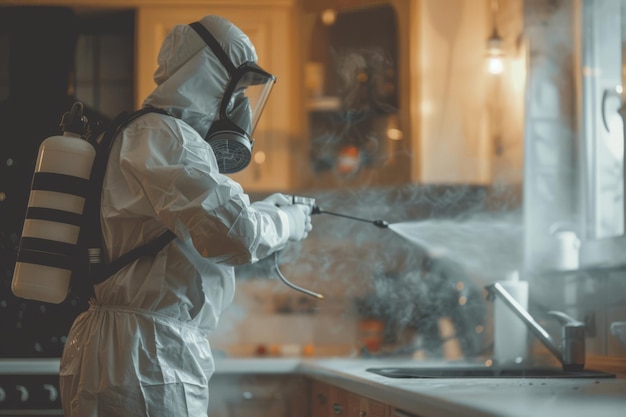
pixel 249 96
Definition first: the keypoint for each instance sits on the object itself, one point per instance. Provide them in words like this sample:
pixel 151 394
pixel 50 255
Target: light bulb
pixel 495 65
pixel 394 134
pixel 329 16
pixel 259 157
pixel 495 53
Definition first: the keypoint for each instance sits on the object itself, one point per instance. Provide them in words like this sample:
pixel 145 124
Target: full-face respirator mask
pixel 245 96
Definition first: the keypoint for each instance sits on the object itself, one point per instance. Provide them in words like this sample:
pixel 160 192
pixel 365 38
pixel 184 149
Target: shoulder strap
pixel 149 249
pixel 91 232
pixel 103 150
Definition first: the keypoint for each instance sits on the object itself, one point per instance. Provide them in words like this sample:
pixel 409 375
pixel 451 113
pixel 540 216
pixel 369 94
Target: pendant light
pixel 495 46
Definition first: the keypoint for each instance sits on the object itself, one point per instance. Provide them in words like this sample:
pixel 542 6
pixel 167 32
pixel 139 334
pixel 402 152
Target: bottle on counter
pixel 510 334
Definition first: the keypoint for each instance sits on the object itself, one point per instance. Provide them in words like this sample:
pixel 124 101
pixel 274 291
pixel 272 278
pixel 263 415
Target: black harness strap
pixel 149 249
pixel 91 232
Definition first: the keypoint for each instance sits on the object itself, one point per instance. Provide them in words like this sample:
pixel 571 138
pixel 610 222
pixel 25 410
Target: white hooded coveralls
pixel 141 349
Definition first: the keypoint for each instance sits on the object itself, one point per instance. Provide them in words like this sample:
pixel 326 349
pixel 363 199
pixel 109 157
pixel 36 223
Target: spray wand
pixel 315 209
pixel 378 223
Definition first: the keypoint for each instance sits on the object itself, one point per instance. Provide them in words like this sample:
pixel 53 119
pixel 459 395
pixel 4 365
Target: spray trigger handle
pixel 307 201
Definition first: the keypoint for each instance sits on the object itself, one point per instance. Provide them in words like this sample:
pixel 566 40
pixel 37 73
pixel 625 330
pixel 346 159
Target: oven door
pixel 29 387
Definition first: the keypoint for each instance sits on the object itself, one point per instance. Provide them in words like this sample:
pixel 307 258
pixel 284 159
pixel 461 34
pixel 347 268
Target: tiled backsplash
pixel 267 318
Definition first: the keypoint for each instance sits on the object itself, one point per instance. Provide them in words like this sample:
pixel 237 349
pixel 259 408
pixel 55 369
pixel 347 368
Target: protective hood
pixel 190 79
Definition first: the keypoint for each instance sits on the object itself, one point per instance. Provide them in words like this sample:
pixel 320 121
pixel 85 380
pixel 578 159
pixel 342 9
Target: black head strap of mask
pixel 214 45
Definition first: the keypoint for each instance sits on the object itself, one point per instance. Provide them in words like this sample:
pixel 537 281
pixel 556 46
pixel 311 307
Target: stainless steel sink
pixel 484 372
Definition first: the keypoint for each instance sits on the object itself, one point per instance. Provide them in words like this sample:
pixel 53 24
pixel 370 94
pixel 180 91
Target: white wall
pixel 469 123
pixel 454 120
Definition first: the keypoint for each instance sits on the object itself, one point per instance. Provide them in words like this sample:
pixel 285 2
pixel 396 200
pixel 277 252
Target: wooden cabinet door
pixel 366 407
pixel 373 408
pixel 354 405
pixel 320 399
pixel 269 27
pixel 339 402
pixel 329 401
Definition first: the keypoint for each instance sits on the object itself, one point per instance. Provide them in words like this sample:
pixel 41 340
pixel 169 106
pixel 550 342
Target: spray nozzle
pixel 381 223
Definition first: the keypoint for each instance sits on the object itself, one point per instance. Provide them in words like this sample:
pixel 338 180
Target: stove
pixel 32 336
pixel 30 387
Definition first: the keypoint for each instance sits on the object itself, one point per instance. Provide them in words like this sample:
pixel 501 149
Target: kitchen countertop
pixel 257 365
pixel 437 397
pixel 488 397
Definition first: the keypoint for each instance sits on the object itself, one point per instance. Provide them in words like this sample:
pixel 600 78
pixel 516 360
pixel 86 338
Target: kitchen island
pixel 439 397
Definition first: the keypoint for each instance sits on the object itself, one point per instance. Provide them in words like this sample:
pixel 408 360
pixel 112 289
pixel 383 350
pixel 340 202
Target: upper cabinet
pixel 399 91
pixel 355 125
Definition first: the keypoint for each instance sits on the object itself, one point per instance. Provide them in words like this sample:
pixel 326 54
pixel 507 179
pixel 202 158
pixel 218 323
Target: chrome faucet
pixel 572 352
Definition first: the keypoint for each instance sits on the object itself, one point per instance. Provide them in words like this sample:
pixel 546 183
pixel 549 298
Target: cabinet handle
pixel 362 413
pixel 337 409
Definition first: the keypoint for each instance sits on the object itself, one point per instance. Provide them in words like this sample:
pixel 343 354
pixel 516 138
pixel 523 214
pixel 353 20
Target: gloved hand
pixel 278 200
pixel 299 221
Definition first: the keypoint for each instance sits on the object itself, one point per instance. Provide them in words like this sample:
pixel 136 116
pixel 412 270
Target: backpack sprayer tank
pixel 47 250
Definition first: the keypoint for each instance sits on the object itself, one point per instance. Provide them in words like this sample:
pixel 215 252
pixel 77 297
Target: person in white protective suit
pixel 141 349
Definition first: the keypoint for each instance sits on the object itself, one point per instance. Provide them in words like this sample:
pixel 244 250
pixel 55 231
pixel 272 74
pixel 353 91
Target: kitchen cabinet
pixel 357 120
pixel 327 400
pixel 319 399
pixel 257 395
